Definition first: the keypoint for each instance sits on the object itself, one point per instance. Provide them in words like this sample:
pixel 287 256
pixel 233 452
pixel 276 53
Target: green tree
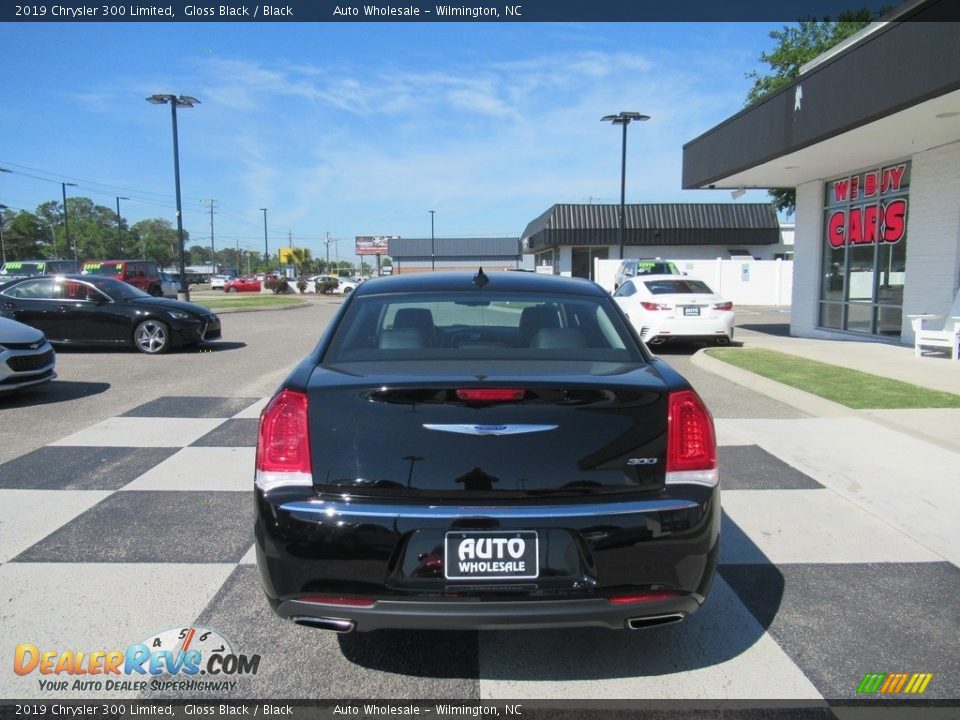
pixel 796 46
pixel 158 240
pixel 25 236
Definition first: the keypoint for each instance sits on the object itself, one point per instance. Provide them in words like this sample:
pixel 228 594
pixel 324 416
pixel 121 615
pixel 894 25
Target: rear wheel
pixel 152 337
pixel 233 289
pixel 156 291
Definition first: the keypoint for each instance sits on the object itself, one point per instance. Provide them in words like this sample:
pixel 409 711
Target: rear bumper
pixel 426 615
pixel 373 565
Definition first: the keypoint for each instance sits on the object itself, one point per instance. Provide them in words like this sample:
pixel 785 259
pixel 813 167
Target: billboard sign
pixel 373 244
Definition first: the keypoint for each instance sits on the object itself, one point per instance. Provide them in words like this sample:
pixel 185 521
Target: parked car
pixel 336 285
pixel 645 266
pixel 242 284
pixel 95 310
pixel 667 307
pixel 474 452
pixel 218 281
pixel 26 358
pixel 142 274
pixel 168 285
pixel 29 268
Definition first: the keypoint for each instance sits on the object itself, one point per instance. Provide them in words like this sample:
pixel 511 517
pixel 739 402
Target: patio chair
pixel 944 334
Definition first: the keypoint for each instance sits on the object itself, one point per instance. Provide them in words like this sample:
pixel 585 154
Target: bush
pixel 326 285
pixel 279 286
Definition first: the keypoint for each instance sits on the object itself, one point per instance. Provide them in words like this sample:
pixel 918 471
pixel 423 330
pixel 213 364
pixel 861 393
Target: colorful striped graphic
pixel 894 683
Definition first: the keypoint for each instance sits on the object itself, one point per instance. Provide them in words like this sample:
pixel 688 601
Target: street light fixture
pixel 184 101
pixel 66 223
pixel 623 118
pixel 433 250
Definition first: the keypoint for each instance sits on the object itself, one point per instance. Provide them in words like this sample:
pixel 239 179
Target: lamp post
pixel 266 251
pixel 624 119
pixel 3 247
pixel 119 238
pixel 183 101
pixel 433 249
pixel 66 222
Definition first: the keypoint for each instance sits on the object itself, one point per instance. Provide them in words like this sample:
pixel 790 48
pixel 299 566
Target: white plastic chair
pixel 947 336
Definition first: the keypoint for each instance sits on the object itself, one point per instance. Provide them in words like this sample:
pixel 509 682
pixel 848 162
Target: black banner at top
pixel 76 11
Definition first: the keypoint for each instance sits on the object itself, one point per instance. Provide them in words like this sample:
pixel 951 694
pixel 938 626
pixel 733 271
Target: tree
pixel 25 237
pixel 797 46
pixel 158 240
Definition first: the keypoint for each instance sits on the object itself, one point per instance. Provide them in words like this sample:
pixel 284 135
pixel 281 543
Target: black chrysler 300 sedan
pixel 485 451
pixel 91 310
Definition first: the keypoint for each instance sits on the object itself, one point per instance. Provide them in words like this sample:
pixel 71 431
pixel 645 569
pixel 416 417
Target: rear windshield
pixel 496 326
pixel 677 287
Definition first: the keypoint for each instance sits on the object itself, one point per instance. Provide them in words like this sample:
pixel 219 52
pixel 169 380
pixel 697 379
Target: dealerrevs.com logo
pixel 180 659
pixel 894 683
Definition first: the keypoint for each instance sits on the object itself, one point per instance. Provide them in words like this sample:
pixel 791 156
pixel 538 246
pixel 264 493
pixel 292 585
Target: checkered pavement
pixel 143 522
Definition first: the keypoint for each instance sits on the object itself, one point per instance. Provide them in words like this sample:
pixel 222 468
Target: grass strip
pixel 853 388
pixel 255 302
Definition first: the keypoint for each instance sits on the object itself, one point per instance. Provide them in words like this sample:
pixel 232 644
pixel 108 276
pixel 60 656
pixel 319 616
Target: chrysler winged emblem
pixel 467 429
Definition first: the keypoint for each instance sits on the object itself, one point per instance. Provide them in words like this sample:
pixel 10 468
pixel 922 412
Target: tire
pixel 156 291
pixel 233 289
pixel 347 291
pixel 152 337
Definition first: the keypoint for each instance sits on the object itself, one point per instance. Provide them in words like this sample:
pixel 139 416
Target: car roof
pixel 499 281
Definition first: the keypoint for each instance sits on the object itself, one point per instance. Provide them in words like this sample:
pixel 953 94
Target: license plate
pixel 694 311
pixel 488 555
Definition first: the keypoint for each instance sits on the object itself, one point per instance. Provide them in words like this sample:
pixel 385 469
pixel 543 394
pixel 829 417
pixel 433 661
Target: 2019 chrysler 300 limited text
pixel 485 451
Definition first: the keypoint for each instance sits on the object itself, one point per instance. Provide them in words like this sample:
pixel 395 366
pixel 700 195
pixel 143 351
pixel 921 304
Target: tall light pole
pixel 433 249
pixel 119 238
pixel 266 250
pixel 66 222
pixel 624 119
pixel 3 247
pixel 183 101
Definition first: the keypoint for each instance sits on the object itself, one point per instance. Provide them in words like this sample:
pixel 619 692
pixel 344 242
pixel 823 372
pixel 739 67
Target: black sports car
pixel 92 310
pixel 473 451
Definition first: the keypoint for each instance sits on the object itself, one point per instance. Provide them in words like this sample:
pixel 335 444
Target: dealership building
pixel 869 135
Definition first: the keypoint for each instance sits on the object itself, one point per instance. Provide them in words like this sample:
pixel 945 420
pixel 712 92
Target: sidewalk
pixel 936 372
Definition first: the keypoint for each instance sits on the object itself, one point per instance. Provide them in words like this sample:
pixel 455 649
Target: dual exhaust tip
pixel 345 626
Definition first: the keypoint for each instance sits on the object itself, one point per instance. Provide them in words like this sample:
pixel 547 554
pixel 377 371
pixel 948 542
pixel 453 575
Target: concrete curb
pixel 803 401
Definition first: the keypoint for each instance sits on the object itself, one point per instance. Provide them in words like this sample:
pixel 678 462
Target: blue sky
pixel 362 128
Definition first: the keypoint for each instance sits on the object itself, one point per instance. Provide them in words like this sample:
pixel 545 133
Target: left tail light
pixel 283 443
pixel 691 441
pixel 723 306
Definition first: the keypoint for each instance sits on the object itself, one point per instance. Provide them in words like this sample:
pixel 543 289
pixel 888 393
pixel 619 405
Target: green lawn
pixel 246 302
pixel 855 389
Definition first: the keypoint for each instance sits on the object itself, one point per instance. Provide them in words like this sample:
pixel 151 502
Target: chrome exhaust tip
pixel 723 340
pixel 334 624
pixel 641 623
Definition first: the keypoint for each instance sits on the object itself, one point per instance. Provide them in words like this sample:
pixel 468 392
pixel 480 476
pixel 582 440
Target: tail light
pixel 283 442
pixel 723 306
pixel 691 441
pixel 642 597
pixel 655 306
pixel 490 394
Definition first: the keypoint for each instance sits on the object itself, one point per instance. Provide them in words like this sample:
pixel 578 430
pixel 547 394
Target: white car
pixel 218 281
pixel 343 287
pixel 675 307
pixel 26 358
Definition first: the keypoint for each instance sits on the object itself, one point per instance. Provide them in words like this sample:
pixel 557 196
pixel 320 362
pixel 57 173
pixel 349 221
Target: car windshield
pixel 105 269
pixel 677 287
pixel 21 269
pixel 496 326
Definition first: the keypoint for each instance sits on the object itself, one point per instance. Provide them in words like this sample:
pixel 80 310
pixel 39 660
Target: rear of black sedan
pixel 482 452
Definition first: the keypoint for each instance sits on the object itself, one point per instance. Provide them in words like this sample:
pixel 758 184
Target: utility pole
pixel 213 249
pixel 327 242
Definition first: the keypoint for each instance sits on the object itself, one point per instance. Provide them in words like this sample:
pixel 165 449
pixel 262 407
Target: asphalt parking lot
pixel 125 511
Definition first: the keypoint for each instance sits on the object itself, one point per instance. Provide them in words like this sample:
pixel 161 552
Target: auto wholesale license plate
pixel 691 310
pixel 487 555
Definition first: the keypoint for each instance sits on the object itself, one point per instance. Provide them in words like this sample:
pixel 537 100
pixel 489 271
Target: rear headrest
pixel 553 338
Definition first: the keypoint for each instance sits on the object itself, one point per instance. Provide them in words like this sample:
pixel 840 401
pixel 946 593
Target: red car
pixel 244 284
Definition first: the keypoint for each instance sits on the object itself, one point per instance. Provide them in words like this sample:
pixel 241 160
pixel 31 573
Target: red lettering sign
pixel 894 221
pixel 836 228
pixel 892 177
pixel 841 189
pixel 870 182
pixel 862 226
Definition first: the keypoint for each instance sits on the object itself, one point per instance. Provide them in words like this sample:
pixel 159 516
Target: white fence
pixel 745 282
